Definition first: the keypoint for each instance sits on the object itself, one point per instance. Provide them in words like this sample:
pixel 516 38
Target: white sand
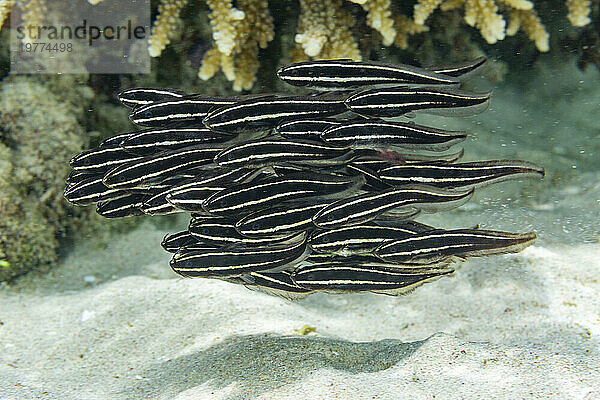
pixel 115 323
pixel 519 326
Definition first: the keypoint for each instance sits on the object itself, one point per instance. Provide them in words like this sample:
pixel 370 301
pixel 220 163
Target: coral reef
pixel 337 29
pixel 39 134
pixel 325 29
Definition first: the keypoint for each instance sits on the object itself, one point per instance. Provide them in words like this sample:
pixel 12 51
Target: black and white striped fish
pixel 224 233
pixel 365 207
pixel 157 204
pixel 360 239
pixel 102 159
pixel 267 112
pixel 91 190
pixel 255 196
pixel 382 159
pixel 174 241
pixel 309 129
pixel 154 141
pixel 116 140
pixel 395 102
pixel 236 260
pixel 275 283
pixel 472 174
pixel 160 166
pixel 292 217
pixel 433 246
pixel 352 276
pixel 137 97
pixel 129 205
pixel 374 134
pixel 372 180
pixel 344 74
pixel 461 70
pixel 272 150
pixel 188 110
pixel 191 195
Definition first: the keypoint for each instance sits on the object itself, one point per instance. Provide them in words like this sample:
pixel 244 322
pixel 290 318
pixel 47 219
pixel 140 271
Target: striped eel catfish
pixel 267 112
pixel 372 181
pixel 137 97
pixel 383 159
pixel 91 190
pixel 192 194
pixel 102 159
pixel 129 205
pixel 461 70
pixel 344 74
pixel 360 239
pixel 293 217
pixel 472 174
pixel 395 102
pixel 369 134
pixel 152 141
pixel 309 129
pixel 433 246
pixel 254 196
pixel 174 241
pixel 365 207
pixel 351 275
pixel 237 260
pixel 177 111
pixel 272 150
pixel 160 166
pixel 224 233
pixel 275 283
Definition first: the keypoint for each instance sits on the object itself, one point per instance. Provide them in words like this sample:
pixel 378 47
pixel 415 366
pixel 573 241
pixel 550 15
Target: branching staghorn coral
pixel 168 14
pixel 324 31
pixel 5 6
pixel 579 12
pixel 237 34
pixel 328 29
pixel 487 17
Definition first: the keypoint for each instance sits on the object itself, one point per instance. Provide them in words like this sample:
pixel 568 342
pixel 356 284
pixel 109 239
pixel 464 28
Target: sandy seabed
pixel 518 326
pixel 112 321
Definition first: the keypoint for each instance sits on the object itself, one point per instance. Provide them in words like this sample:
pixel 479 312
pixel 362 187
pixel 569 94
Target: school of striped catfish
pixel 297 194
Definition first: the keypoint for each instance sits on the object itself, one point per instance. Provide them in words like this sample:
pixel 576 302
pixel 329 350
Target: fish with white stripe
pixel 398 101
pixel 344 74
pixel 374 134
pixel 91 190
pixel 129 205
pixel 353 276
pixel 275 283
pixel 172 242
pixel 292 217
pixel 136 97
pixel 224 233
pixel 267 112
pixel 433 246
pixel 254 196
pixel 472 174
pixel 272 150
pixel 366 207
pixel 154 141
pixel 102 159
pixel 160 166
pixel 358 239
pixel 186 110
pixel 237 260
pixel 310 129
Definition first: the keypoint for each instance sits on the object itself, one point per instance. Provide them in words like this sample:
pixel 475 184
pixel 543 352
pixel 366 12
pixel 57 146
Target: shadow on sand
pixel 259 363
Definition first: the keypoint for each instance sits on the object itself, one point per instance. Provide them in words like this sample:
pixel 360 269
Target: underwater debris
pixel 294 216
